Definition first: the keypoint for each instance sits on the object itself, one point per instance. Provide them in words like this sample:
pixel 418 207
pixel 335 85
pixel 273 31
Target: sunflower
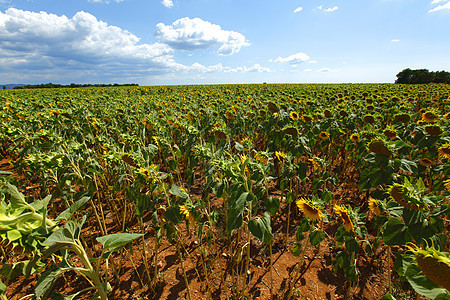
pixel 434 130
pixel 306 119
pixel 344 214
pixel 447 184
pixel 311 211
pixel 261 158
pixel 323 135
pixel 402 117
pixel 390 133
pixel 426 162
pixel 374 206
pixel 444 151
pixel 429 116
pixel 145 173
pixel 355 137
pixel 369 119
pixel 187 213
pixel 280 156
pixel 378 147
pixel 294 116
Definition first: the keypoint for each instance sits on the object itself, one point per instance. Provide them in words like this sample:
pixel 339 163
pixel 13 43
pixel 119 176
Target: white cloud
pixel 395 40
pixel 307 70
pixel 43 46
pixel 440 7
pixel 329 70
pixel 330 9
pixel 292 59
pixel 167 3
pixel 437 1
pixel 255 68
pixel 298 9
pixel 190 34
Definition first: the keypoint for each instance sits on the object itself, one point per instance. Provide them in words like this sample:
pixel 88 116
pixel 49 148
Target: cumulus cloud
pixel 330 9
pixel 292 59
pixel 244 69
pixel 329 70
pixel 437 1
pixel 167 3
pixel 395 40
pixel 190 34
pixel 440 7
pixel 49 46
pixel 298 9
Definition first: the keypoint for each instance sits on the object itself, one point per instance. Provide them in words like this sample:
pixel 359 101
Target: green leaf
pixel 272 205
pixel 80 200
pixel 115 241
pixel 296 249
pixel 2 288
pixel 421 284
pixel 395 232
pixel 261 229
pixel 175 190
pixel 388 297
pixel 172 164
pixel 46 281
pixel 316 236
pixel 408 166
pixel 13 235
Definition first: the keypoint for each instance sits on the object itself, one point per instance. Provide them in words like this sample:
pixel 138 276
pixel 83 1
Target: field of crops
pixel 226 192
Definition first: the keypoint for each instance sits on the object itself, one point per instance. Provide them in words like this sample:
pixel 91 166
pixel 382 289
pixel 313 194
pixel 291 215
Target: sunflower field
pixel 270 191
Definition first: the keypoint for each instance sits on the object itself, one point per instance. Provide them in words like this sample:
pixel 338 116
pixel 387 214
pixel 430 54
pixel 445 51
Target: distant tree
pixel 422 76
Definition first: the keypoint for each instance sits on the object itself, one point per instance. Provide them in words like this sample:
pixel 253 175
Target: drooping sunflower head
pixel 401 194
pixel 430 116
pixel 309 209
pixel 433 264
pixel 345 216
pixel 291 130
pixel 390 133
pixel 374 206
pixel 369 119
pixel 444 151
pixel 434 130
pixel 294 116
pixel 402 117
pixel 262 159
pixel 426 162
pixel 378 146
pixel 323 135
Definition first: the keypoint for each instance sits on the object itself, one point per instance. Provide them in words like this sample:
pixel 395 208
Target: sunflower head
pixel 187 213
pixel 369 119
pixel 323 135
pixel 444 151
pixel 272 107
pixel 327 113
pixel 433 264
pixel 430 116
pixel 390 133
pixel 345 216
pixel 309 209
pixel 291 130
pixel 447 184
pixel 294 116
pixel 426 162
pixel 355 137
pixel 377 146
pixel 433 130
pixel 280 157
pixel 374 206
pixel 402 117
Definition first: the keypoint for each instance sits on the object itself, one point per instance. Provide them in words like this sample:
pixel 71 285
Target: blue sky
pixel 153 42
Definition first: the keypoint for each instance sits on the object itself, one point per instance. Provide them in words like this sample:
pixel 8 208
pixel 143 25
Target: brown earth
pixel 209 268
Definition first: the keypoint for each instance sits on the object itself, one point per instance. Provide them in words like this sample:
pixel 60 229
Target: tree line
pixel 72 85
pixel 422 76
